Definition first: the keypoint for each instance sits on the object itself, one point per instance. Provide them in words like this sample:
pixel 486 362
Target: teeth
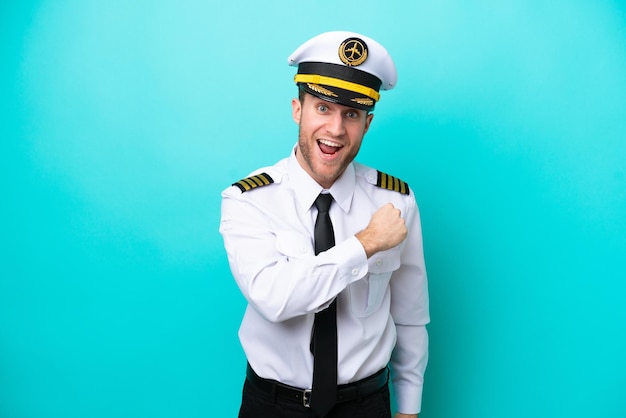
pixel 330 143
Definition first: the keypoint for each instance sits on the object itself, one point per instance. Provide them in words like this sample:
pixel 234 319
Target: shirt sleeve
pixel 275 266
pixel 410 311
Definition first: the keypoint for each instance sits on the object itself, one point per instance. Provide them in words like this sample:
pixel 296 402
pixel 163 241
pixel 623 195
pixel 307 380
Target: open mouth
pixel 328 147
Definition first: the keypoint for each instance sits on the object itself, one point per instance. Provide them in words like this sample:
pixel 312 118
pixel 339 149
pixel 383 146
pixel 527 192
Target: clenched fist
pixel 385 230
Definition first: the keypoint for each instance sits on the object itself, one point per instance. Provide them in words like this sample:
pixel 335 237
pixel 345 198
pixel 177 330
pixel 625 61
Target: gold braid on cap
pixel 363 101
pixel 321 90
pixel 335 82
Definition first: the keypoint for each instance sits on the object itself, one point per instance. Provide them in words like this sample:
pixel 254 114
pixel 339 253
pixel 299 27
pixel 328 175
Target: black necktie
pixel 324 390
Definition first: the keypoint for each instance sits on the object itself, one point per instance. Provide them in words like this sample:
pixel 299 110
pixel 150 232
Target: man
pixel 337 293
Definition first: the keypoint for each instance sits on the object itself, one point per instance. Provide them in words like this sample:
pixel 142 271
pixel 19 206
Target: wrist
pixel 366 243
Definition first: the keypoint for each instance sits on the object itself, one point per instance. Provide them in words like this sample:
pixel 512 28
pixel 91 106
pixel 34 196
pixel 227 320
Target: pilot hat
pixel 344 67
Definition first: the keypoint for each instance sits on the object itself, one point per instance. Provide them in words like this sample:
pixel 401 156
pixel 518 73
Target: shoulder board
pixel 388 182
pixel 253 182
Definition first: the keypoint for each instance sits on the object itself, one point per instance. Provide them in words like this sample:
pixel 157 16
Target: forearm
pixel 408 364
pixel 274 264
pixel 288 287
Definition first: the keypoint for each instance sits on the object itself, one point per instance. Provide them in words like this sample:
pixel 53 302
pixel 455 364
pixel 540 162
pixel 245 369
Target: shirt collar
pixel 306 189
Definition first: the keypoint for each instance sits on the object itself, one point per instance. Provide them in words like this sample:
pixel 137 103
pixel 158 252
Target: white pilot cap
pixel 327 68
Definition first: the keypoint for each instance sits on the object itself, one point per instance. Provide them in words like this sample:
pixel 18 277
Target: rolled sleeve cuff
pixel 353 257
pixel 408 398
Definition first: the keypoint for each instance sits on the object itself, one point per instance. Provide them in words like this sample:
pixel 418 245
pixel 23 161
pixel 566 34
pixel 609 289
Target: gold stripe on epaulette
pixel 388 182
pixel 253 182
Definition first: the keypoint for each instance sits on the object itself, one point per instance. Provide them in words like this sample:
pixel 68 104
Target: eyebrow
pixel 348 108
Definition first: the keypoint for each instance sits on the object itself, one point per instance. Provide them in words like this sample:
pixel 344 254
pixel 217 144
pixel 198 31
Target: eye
pixel 352 114
pixel 322 108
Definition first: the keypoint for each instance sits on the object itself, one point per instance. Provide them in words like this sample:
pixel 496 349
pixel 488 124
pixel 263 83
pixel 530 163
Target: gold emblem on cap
pixel 363 101
pixel 353 52
pixel 321 90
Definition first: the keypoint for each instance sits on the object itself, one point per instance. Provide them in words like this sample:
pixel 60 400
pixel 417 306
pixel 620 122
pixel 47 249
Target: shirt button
pixel 379 262
pixel 355 272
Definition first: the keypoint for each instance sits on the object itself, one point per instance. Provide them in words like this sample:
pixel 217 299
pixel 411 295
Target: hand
pixel 385 230
pixel 399 415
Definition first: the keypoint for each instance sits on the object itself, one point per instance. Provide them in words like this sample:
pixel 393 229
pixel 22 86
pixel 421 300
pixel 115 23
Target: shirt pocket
pixel 294 244
pixel 367 294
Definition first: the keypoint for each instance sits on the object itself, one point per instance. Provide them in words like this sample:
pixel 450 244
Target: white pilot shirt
pixel 382 301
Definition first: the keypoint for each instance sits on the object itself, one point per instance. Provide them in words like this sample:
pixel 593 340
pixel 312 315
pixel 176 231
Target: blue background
pixel 121 122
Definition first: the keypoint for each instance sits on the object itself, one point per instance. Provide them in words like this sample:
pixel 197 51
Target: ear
pixel 296 110
pixel 368 121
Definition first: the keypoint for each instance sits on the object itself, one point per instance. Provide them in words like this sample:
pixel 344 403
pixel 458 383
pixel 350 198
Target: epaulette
pixel 253 182
pixel 388 182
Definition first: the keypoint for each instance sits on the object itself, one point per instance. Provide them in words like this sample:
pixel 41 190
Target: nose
pixel 335 125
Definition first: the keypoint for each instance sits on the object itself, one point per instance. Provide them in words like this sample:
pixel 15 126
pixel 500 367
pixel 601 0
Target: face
pixel 330 137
